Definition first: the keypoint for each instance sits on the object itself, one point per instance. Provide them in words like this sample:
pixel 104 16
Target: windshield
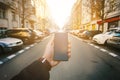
pixel 3 33
pixel 116 34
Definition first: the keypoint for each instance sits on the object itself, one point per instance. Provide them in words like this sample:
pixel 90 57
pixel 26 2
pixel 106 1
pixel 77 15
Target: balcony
pixel 3 4
pixel 11 4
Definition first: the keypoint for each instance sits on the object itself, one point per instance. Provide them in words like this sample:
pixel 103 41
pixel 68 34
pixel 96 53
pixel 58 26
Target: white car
pixel 102 38
pixel 9 43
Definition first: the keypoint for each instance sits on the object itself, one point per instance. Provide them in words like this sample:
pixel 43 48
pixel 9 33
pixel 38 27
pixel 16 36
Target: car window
pixel 3 33
pixel 117 34
pixel 108 33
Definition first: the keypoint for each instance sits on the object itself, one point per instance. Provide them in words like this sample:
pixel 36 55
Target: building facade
pixel 76 16
pixel 104 15
pixel 96 14
pixel 9 16
pixel 23 13
pixel 112 17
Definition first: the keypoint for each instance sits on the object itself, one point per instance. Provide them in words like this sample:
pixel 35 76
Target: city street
pixel 87 62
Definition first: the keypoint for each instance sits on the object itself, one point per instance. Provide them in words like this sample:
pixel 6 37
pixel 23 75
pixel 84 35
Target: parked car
pixel 80 32
pixel 39 34
pixel 75 32
pixel 8 44
pixel 89 34
pixel 25 34
pixel 102 38
pixel 115 40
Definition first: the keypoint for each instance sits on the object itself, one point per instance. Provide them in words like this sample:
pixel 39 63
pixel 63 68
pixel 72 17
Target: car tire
pixel 25 41
pixel 1 50
pixel 106 43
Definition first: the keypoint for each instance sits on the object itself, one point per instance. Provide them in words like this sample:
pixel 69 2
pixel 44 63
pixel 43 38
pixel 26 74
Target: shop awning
pixel 109 20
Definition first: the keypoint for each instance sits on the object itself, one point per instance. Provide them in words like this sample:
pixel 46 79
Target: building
pixel 101 15
pixel 112 17
pixel 24 13
pixel 42 14
pixel 9 14
pixel 75 19
pixel 86 14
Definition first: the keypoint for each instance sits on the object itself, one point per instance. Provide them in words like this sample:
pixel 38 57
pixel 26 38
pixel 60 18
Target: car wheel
pixel 105 43
pixel 1 50
pixel 25 41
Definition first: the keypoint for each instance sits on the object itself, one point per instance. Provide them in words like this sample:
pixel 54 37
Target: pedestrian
pixel 39 70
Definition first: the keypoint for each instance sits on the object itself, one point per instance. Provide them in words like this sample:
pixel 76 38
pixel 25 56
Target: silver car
pixel 8 44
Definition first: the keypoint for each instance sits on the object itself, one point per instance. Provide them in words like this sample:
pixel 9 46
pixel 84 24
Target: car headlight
pixel 11 44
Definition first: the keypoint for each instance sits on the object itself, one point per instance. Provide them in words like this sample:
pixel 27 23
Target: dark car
pixel 115 40
pixel 89 34
pixel 25 34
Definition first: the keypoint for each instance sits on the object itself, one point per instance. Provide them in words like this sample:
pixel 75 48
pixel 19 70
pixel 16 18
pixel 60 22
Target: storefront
pixel 111 22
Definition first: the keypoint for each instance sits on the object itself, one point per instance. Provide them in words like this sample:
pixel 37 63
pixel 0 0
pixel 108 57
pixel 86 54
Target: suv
pixel 25 34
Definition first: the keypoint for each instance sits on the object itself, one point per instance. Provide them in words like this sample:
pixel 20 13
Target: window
pixel 2 13
pixel 13 16
pixel 3 32
pixel 112 24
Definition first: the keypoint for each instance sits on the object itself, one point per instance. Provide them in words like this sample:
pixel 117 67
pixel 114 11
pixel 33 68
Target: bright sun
pixel 60 10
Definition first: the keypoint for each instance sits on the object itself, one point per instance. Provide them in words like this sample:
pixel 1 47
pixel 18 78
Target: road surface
pixel 86 63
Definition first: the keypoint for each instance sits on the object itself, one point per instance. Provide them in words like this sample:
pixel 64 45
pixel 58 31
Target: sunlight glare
pixel 60 10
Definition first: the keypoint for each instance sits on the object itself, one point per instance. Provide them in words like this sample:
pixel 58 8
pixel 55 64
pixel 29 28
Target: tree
pixel 27 11
pixel 101 8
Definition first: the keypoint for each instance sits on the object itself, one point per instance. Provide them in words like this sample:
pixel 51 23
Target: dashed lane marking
pixel 1 62
pixel 103 50
pixel 112 54
pixel 11 56
pixel 17 53
pixel 97 47
pixel 32 45
pixel 27 48
pixel 21 51
pixel 91 44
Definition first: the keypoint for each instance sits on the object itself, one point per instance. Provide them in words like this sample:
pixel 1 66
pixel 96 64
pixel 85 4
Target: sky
pixel 60 10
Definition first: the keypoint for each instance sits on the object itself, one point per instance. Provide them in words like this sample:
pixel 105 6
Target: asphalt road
pixel 15 65
pixel 86 63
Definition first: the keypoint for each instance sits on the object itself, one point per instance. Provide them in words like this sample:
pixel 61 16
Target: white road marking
pixel 27 48
pixel 32 45
pixel 1 62
pixel 112 54
pixel 97 47
pixel 11 56
pixel 21 51
pixel 92 44
pixel 103 50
